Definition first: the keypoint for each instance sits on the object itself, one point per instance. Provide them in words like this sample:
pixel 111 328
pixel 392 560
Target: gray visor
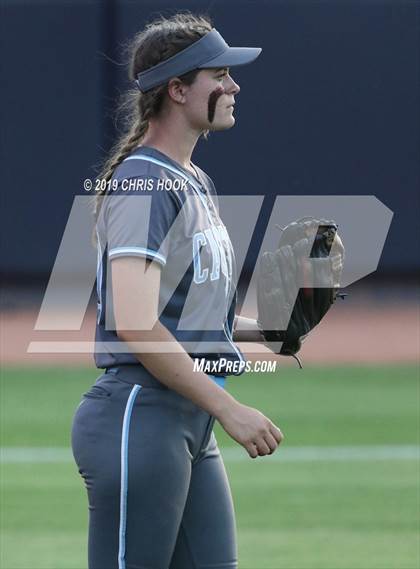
pixel 209 51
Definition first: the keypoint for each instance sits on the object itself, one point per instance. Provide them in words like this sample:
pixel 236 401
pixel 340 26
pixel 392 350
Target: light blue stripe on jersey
pixel 228 333
pixel 141 251
pixel 99 271
pixel 124 475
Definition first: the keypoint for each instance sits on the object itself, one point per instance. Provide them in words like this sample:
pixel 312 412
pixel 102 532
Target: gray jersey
pixel 158 210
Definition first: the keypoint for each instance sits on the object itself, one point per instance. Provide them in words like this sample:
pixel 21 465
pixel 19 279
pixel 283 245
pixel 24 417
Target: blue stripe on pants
pixel 124 474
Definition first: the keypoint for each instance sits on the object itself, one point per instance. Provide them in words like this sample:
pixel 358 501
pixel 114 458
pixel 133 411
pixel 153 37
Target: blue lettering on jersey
pixel 217 239
pixel 215 272
pixel 199 240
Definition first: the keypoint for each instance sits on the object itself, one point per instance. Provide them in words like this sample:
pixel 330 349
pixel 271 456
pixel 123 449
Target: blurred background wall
pixel 331 107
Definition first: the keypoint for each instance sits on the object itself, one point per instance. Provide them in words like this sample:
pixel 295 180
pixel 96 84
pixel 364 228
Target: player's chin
pixel 224 124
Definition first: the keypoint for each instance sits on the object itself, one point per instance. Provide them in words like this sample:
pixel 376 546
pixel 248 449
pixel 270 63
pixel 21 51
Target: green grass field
pixel 341 493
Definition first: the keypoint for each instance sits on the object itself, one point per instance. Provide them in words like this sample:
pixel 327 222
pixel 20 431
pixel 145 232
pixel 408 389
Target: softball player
pixel 142 436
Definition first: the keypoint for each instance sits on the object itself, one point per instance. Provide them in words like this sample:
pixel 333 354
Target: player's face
pixel 210 100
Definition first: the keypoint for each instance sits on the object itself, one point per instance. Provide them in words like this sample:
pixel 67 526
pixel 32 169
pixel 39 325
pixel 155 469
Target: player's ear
pixel 177 90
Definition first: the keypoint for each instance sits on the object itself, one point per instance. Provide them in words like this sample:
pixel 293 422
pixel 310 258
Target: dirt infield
pixel 384 333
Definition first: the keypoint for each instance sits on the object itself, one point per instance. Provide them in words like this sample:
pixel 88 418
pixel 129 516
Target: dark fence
pixel 331 107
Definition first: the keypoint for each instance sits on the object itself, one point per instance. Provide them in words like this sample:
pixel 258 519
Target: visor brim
pixel 233 56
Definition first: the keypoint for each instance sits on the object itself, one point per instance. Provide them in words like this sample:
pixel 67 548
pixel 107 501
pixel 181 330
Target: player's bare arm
pixel 246 330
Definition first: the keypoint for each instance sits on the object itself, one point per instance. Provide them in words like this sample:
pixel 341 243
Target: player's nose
pixel 233 87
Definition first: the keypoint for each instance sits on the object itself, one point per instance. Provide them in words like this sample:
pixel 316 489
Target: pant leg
pixel 132 451
pixel 207 535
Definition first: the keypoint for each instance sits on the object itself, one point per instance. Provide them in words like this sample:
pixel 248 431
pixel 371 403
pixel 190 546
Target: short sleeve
pixel 138 222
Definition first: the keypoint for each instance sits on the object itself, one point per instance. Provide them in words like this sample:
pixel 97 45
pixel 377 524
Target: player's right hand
pixel 250 428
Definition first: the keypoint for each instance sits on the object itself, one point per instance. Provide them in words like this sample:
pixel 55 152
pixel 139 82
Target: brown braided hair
pixel 160 39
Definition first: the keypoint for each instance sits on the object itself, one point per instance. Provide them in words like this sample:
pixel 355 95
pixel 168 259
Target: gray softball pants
pixel 158 493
